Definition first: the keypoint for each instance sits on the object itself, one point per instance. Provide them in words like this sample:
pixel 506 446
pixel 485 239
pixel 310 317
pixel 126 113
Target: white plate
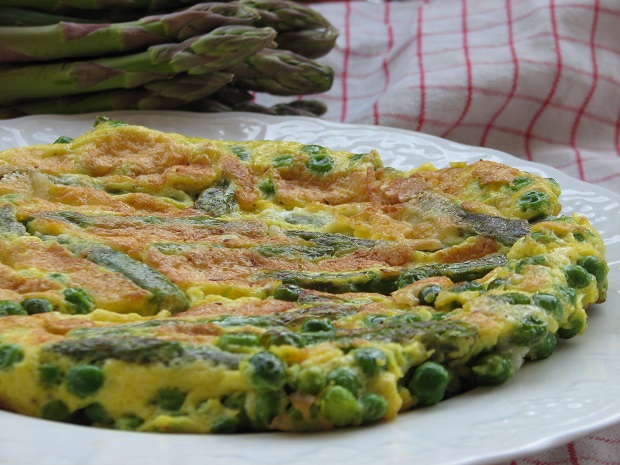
pixel 546 404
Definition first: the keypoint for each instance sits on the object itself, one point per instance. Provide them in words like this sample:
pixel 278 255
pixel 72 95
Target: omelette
pixel 151 281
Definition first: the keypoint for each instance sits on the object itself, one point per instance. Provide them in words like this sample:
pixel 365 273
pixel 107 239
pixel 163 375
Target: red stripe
pixel 573 133
pixel 572 453
pixel 554 86
pixel 422 109
pixel 515 74
pixel 345 59
pixel 617 138
pixel 386 63
pixel 469 71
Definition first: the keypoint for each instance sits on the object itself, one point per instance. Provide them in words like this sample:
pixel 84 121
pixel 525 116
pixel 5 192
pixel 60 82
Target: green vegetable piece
pixel 314 325
pixel 347 378
pixel 267 406
pixel 242 153
pixel 96 414
pixel 320 163
pixel 575 325
pixel 266 372
pixel 577 276
pixel 165 294
pixel 106 119
pixel 514 298
pixel 288 292
pixel 9 223
pixel 549 303
pixel 373 320
pixel 37 305
pixel 283 161
pixel 128 422
pixel 492 369
pixel 8 307
pixel 497 283
pixel 340 406
pixel 374 407
pixel 282 338
pixel 534 201
pixel 170 399
pixel 56 410
pixel 470 286
pixel 49 375
pixel 84 380
pixel 530 331
pixel 544 348
pixel 429 383
pixel 371 360
pixel 10 354
pixel 599 269
pixel 225 424
pixel 428 295
pixel 78 301
pixel 311 380
pixel 267 188
pixel 218 200
pixel 519 182
pixel 63 140
pixel 238 341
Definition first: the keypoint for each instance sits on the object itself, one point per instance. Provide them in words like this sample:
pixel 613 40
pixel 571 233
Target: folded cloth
pixel 539 79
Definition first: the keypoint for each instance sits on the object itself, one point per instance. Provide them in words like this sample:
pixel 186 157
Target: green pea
pixel 10 354
pixel 492 369
pixel 128 422
pixel 8 307
pixel 36 305
pixel 238 341
pixel 549 303
pixel 287 292
pixel 170 399
pixel 84 380
pixel 568 293
pixel 311 380
pixel 340 406
pixel 530 331
pixel 575 325
pixel 320 163
pixel 374 407
pixel 266 372
pixel 56 410
pixel 225 424
pixel 267 406
pixel 49 375
pixel 97 414
pixel 314 325
pixel 544 348
pixel 535 201
pixel 78 301
pixel 283 161
pixel 428 295
pixel 595 266
pixel 267 188
pixel 63 140
pixel 347 378
pixel 371 360
pixel 577 276
pixel 429 383
pixel 579 237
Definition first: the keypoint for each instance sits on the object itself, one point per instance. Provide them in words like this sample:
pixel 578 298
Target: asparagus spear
pixel 286 15
pixel 14 16
pixel 311 43
pixel 198 55
pixel 165 94
pixel 60 5
pixel 281 72
pixel 70 39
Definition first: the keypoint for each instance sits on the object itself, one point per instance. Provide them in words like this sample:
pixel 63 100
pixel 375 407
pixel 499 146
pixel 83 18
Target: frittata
pixel 156 282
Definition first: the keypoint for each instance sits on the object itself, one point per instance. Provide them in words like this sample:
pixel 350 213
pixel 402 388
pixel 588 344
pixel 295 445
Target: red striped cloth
pixel 539 79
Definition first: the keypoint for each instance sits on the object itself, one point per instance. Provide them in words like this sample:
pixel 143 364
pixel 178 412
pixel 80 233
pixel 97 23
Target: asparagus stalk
pixel 286 15
pixel 165 94
pixel 13 16
pixel 60 5
pixel 199 55
pixel 281 72
pixel 70 39
pixel 311 43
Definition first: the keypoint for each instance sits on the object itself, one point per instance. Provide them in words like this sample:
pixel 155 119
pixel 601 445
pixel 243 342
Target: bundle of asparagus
pixel 76 56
